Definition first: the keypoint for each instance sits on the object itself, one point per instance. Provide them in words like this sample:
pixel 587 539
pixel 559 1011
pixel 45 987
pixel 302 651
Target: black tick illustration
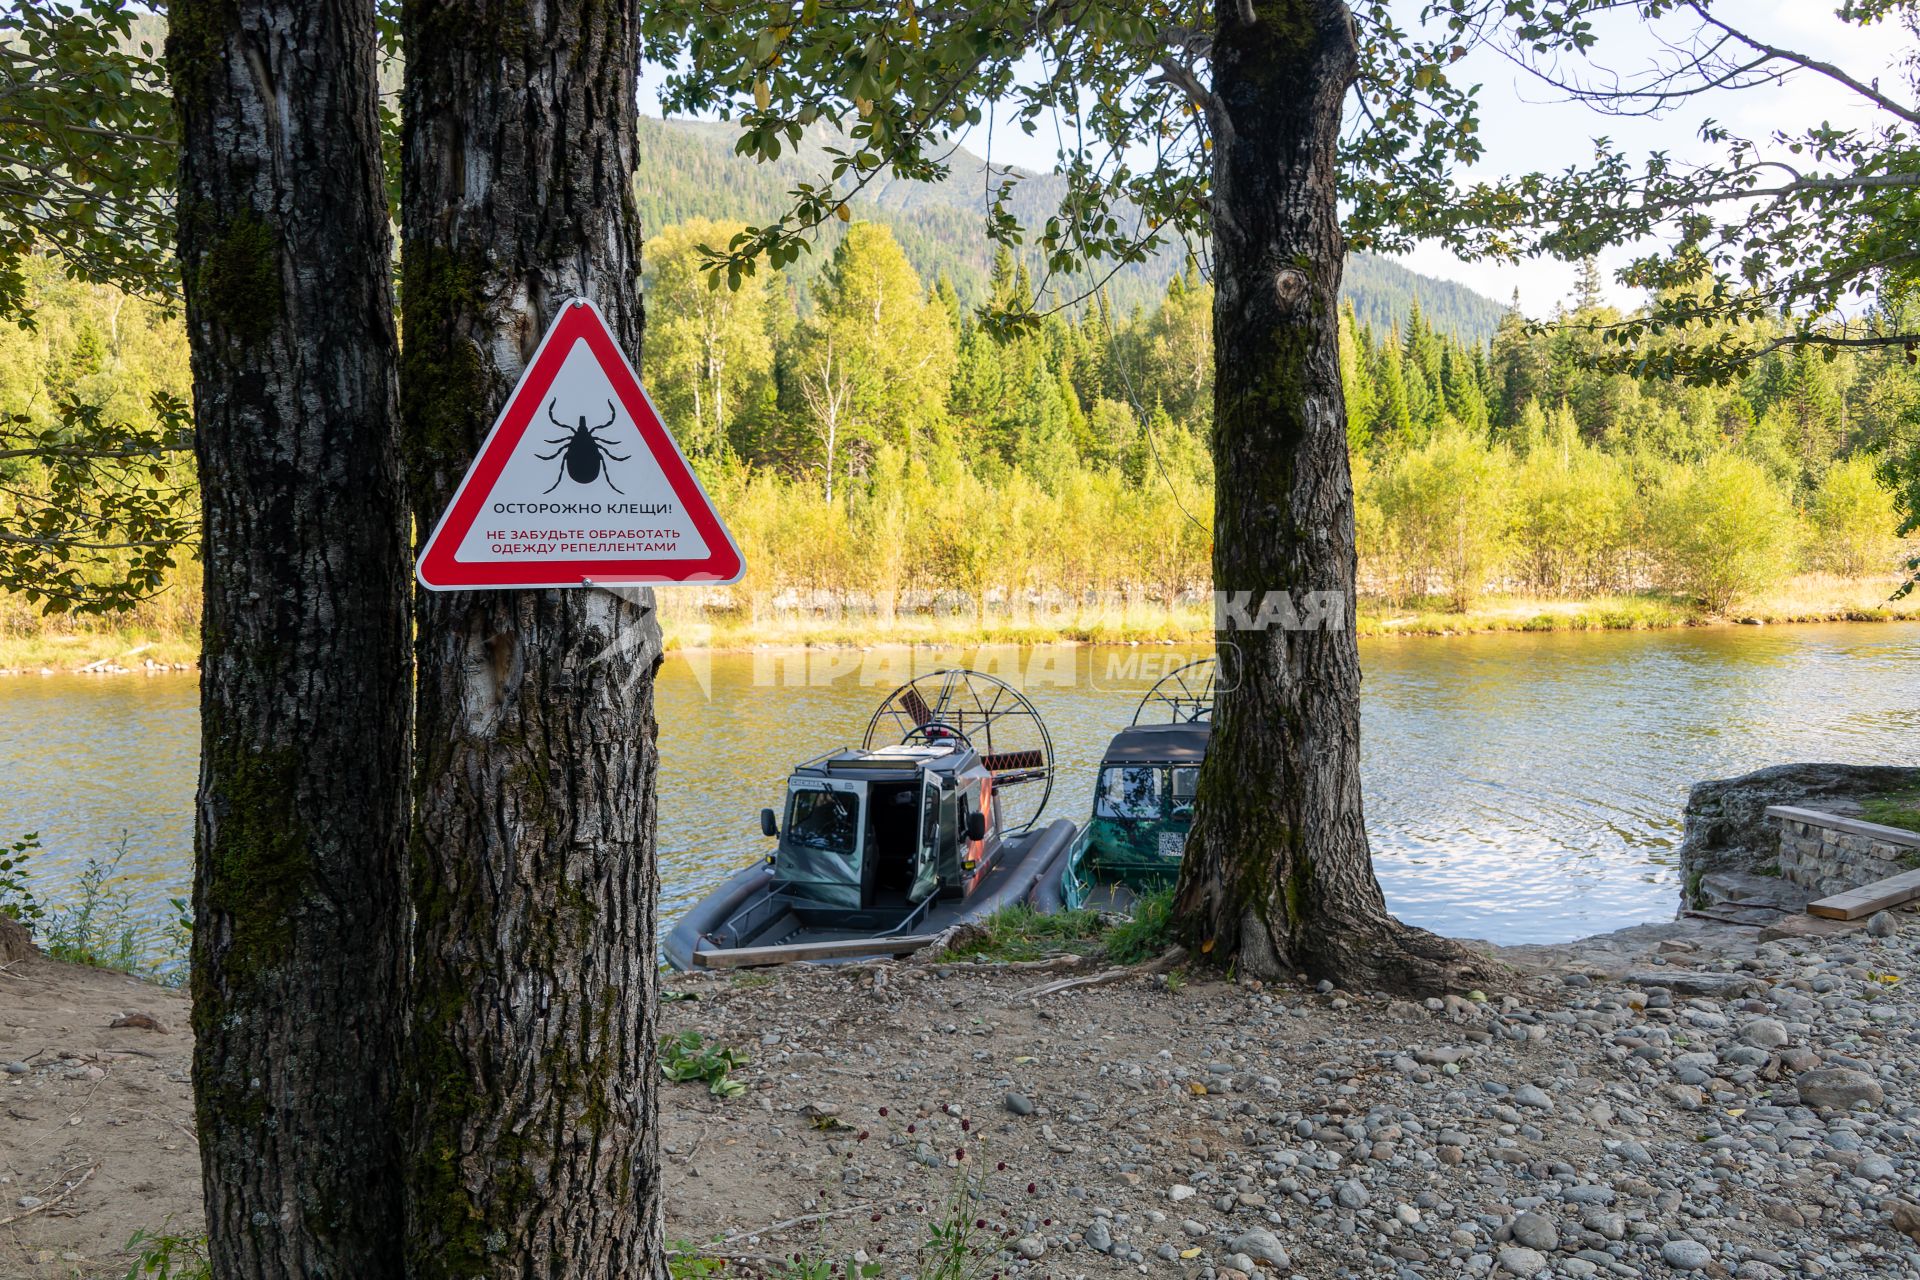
pixel 586 453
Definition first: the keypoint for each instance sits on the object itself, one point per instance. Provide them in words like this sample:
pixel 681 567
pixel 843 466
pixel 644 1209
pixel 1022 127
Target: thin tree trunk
pixel 301 821
pixel 833 429
pixel 1277 876
pixel 533 1150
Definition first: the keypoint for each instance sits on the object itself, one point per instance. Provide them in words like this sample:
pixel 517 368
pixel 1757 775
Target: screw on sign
pixel 584 448
pixel 537 509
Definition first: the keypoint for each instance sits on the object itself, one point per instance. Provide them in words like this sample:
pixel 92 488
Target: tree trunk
pixel 533 1149
pixel 1278 877
pixel 301 821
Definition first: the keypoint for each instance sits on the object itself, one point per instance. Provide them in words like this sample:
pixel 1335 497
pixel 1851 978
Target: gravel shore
pixel 1670 1100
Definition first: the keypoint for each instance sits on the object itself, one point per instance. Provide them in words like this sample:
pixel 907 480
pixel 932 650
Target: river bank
pixel 108 650
pixel 1671 1099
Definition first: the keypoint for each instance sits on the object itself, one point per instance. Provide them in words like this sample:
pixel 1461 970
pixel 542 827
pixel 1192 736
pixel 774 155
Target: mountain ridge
pixel 688 169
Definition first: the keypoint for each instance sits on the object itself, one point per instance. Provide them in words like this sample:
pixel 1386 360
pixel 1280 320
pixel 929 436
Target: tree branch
pixel 1828 69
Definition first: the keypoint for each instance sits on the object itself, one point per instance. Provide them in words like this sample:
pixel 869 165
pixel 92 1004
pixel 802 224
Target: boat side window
pixel 1131 791
pixel 1185 783
pixel 827 820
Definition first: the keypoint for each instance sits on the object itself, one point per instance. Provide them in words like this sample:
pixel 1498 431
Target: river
pixel 1519 787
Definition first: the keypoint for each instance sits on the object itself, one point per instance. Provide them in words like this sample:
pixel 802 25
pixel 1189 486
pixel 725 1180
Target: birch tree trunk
pixel 301 820
pixel 1278 876
pixel 532 1147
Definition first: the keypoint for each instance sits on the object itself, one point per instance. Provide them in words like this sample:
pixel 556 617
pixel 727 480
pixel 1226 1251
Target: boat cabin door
pixel 926 858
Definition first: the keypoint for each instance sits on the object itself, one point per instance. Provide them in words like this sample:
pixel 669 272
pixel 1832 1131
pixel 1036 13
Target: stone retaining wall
pixel 1829 854
pixel 1727 828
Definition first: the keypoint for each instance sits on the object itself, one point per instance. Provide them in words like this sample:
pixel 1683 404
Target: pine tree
pixel 1514 367
pixel 1589 293
pixel 1393 414
pixel 1356 377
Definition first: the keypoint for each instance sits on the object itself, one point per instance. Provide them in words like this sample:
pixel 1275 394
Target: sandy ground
pixel 99 1130
pixel 1369 1136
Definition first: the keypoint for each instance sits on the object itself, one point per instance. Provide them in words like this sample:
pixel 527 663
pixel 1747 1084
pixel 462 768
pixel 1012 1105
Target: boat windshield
pixel 819 857
pixel 824 820
pixel 1129 792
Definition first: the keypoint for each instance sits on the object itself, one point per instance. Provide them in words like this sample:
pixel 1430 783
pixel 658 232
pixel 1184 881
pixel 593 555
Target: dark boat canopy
pixel 1160 744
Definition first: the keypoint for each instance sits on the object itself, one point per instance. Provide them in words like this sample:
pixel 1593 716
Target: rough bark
pixel 532 1149
pixel 1278 877
pixel 301 821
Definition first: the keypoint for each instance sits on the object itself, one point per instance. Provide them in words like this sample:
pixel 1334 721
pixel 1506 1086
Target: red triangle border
pixel 578 321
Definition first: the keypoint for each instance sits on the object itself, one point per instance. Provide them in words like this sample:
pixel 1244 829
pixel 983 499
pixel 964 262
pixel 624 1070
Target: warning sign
pixel 578 483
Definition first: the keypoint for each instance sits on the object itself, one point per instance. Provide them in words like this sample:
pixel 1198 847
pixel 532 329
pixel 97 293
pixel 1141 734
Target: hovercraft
pixel 931 822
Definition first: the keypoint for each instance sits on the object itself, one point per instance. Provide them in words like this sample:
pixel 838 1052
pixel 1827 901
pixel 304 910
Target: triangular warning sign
pixel 578 482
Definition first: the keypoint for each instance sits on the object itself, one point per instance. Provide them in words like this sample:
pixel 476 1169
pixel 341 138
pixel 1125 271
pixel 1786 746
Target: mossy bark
pixel 1277 878
pixel 532 1150
pixel 301 821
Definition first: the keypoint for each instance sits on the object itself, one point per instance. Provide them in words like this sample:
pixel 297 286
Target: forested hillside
pixel 882 447
pixel 689 170
pixel 876 451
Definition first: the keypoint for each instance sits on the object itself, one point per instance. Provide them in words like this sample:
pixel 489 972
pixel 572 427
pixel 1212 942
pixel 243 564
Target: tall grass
pixel 95 924
pixel 1147 934
pixel 1021 933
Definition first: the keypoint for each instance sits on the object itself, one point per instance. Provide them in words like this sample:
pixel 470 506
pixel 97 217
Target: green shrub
pixel 169 1256
pixel 1853 520
pixel 1570 515
pixel 16 892
pixel 1721 529
pixel 1445 509
pixel 97 927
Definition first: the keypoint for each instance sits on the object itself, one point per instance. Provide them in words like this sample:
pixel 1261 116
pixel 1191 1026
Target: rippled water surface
pixel 1519 787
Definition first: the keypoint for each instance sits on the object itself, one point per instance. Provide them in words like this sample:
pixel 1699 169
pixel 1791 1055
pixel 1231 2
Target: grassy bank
pixel 163 631
pixel 61 645
pixel 1894 809
pixel 125 648
pixel 1810 598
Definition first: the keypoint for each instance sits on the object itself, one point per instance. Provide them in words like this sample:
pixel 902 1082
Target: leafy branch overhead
pixel 1123 89
pixel 1812 226
pixel 87 146
pixel 1809 223
pixel 93 511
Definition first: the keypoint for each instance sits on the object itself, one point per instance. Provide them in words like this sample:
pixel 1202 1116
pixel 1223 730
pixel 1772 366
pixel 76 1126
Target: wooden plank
pixel 844 949
pixel 1869 898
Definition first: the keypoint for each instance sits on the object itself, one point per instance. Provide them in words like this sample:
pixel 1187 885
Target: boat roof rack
pixel 907 758
pixel 903 763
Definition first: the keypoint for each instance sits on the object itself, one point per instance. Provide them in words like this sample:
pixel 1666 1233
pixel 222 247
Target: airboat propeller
pixel 989 715
pixel 1182 696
